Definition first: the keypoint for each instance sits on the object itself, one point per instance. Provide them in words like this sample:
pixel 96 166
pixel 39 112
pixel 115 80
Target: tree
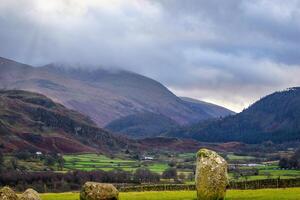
pixel 49 160
pixel 170 173
pixel 172 163
pixel 292 162
pixel 181 176
pixel 144 175
pixel 22 155
pixel 1 161
pixel 136 157
pixel 191 176
pixel 14 163
pixel 296 158
pixel 61 162
pixel 236 175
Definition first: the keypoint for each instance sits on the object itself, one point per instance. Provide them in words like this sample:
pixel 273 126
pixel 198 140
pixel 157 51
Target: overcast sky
pixel 228 52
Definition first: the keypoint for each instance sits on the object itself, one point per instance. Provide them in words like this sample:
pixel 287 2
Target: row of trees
pixel 58 182
pixel 1 161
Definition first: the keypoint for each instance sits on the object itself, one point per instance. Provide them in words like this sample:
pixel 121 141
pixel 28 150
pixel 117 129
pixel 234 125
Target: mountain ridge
pixel 103 95
pixel 212 110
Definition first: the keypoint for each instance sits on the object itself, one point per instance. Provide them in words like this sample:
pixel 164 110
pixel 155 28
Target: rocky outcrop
pixel 7 194
pixel 211 175
pixel 98 191
pixel 30 194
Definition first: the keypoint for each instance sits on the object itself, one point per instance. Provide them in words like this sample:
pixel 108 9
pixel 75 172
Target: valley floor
pixel 263 194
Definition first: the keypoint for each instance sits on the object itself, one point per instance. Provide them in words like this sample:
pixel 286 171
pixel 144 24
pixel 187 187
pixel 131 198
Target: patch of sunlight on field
pixel 264 194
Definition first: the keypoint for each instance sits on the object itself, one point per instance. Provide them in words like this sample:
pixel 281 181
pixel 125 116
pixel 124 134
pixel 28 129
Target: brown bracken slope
pixel 31 121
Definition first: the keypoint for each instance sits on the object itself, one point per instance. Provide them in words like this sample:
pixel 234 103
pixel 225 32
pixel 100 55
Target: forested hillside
pixel 275 117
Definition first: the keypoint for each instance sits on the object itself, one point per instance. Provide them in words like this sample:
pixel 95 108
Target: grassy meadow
pixel 264 194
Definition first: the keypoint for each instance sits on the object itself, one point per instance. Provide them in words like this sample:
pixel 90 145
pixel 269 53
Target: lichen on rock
pixel 211 175
pixel 7 194
pixel 98 191
pixel 30 194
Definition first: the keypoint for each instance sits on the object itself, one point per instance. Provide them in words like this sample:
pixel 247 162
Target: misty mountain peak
pixel 104 95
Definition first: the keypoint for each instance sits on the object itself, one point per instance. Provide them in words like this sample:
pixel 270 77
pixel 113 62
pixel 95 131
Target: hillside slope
pixel 207 109
pixel 148 124
pixel 101 94
pixel 30 121
pixel 142 125
pixel 275 117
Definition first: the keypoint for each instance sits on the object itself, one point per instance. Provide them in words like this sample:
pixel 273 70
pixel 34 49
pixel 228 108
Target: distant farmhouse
pixel 147 158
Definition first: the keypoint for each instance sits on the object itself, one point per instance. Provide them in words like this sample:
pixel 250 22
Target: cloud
pixel 230 53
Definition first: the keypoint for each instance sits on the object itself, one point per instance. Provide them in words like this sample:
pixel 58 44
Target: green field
pixel 89 162
pixel 232 157
pixel 187 155
pixel 271 174
pixel 265 194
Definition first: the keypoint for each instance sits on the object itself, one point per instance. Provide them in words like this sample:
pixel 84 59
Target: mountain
pixel 208 110
pixel 31 121
pixel 103 95
pixel 142 125
pixel 275 117
pixel 148 124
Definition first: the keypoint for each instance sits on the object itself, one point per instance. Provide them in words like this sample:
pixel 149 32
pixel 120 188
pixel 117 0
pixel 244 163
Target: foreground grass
pixel 264 194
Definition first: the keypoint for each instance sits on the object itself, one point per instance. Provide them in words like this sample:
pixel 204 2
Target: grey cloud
pixel 229 52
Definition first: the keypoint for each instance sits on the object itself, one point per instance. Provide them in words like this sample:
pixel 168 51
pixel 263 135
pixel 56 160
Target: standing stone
pixel 7 194
pixel 211 175
pixel 30 194
pixel 98 191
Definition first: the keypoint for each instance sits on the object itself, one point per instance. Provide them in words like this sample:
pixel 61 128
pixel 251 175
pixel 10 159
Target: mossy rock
pixel 211 175
pixel 30 194
pixel 7 194
pixel 98 191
